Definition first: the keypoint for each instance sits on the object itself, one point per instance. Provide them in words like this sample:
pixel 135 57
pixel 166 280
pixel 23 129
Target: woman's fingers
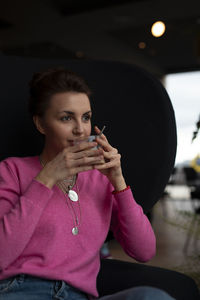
pixel 82 158
pixel 104 143
pixel 86 156
pixel 87 153
pixel 108 165
pixel 111 159
pixel 82 169
pixel 98 131
pixel 87 161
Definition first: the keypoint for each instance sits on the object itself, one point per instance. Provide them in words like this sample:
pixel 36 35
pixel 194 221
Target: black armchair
pixel 193 182
pixel 140 121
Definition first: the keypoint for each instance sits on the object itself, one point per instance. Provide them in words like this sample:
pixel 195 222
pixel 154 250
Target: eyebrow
pixel 72 113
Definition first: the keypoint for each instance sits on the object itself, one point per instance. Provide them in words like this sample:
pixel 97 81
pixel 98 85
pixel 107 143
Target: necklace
pixel 62 186
pixel 66 186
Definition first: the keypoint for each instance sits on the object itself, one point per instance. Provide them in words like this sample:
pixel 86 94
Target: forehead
pixel 70 101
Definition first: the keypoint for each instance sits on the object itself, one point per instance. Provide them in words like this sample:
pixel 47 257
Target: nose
pixel 78 128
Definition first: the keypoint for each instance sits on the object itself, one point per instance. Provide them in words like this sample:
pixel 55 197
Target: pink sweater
pixel 36 224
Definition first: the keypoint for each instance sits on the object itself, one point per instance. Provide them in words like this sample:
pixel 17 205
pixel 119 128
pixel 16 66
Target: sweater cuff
pixel 117 192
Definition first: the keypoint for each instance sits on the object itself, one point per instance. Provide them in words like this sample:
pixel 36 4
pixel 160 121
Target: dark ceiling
pixel 105 30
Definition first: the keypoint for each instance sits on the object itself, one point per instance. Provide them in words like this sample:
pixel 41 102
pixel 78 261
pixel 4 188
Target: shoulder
pixel 19 165
pixel 20 161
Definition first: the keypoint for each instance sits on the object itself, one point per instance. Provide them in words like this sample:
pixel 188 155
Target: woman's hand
pixel 111 166
pixel 69 162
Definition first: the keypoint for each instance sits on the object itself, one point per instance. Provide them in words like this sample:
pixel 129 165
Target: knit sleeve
pixel 19 214
pixel 132 228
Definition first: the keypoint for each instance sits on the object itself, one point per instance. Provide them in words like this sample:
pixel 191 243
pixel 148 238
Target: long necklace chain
pixel 66 186
pixel 70 204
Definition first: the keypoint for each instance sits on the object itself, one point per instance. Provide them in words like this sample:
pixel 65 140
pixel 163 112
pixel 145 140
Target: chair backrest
pixel 132 103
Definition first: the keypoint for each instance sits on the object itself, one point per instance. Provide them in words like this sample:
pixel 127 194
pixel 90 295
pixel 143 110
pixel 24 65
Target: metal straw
pixel 102 130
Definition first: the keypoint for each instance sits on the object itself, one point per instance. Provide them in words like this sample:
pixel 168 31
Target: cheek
pixel 62 131
pixel 89 125
pixel 56 131
pixel 51 131
pixel 88 129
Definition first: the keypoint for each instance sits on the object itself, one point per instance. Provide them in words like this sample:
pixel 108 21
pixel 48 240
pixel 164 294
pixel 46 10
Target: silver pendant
pixel 75 230
pixel 73 195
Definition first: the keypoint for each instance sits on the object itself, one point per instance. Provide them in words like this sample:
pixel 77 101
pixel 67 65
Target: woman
pixel 57 208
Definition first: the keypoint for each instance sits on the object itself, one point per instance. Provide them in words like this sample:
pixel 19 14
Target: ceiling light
pixel 142 45
pixel 158 29
pixel 79 54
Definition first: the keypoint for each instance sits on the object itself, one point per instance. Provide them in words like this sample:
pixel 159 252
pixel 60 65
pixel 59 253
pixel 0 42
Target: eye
pixel 86 117
pixel 66 118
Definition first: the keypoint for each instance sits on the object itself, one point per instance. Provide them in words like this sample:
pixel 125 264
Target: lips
pixel 76 142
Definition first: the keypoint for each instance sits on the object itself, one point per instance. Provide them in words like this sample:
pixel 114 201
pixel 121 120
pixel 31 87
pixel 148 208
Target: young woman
pixel 56 209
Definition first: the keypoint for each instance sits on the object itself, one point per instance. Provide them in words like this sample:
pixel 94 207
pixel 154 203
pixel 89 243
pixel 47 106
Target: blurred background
pixel 123 31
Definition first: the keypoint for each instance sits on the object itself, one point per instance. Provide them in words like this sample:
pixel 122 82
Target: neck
pixel 47 156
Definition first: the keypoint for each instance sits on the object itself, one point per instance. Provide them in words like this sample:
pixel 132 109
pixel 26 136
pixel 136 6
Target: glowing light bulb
pixel 142 45
pixel 158 29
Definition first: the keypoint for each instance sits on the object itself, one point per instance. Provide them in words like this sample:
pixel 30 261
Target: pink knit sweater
pixel 36 224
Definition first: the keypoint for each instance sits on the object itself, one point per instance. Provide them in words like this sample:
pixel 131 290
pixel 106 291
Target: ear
pixel 38 123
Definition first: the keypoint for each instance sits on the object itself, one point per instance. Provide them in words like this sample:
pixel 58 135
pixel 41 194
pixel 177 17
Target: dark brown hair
pixel 52 81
